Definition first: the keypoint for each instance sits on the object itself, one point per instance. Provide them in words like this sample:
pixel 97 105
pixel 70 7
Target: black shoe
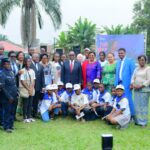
pixel 12 128
pixel 8 130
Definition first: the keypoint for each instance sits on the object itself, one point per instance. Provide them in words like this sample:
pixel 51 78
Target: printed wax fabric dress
pixel 108 75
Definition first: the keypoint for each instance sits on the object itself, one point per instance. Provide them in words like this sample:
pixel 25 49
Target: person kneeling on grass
pixel 90 93
pixel 49 106
pixel 65 99
pixel 61 89
pixel 79 104
pixel 120 115
pixel 103 106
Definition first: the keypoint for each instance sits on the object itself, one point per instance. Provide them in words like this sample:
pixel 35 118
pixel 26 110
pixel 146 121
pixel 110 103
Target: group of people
pixel 79 86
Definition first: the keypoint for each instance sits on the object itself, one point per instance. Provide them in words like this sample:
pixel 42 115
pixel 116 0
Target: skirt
pixel 122 119
pixel 141 101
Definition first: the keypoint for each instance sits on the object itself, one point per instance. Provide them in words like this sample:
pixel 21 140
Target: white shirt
pixel 26 75
pixel 121 68
pixel 46 103
pixel 106 97
pixel 36 65
pixel 65 97
pixel 103 63
pixel 79 100
pixel 14 66
pixel 92 97
pixel 97 92
pixel 72 63
pixel 123 104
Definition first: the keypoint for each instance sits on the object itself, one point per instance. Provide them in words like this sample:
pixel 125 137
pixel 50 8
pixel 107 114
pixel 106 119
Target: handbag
pixel 23 91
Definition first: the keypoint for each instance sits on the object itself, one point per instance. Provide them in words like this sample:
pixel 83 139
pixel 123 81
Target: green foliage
pixel 82 33
pixel 119 29
pixel 64 41
pixel 3 37
pixel 30 15
pixel 142 17
pixel 69 134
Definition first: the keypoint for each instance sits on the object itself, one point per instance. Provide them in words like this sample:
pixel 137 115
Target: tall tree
pixel 83 33
pixel 64 41
pixel 119 29
pixel 30 15
pixel 142 17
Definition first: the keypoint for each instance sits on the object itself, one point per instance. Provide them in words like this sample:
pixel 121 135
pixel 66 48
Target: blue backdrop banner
pixel 134 44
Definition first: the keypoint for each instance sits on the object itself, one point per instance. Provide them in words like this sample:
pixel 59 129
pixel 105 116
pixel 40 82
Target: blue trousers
pixel 8 115
pixel 46 115
pixel 64 108
pixel 1 114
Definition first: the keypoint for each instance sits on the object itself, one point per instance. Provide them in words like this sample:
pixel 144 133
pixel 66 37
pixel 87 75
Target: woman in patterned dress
pixel 140 83
pixel 108 73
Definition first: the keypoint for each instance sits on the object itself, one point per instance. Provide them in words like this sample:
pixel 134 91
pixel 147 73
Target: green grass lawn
pixel 68 134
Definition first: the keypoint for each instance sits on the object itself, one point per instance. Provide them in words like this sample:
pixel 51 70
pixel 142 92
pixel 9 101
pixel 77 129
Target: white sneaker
pixel 31 120
pixel 26 121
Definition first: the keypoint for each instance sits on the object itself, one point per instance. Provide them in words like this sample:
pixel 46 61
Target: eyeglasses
pixel 101 87
pixel 12 56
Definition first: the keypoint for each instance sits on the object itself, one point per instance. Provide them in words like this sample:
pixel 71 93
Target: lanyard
pixel 118 99
pixel 101 99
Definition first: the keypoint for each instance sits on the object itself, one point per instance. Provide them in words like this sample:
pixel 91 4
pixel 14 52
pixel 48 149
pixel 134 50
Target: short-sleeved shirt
pixel 79 100
pixel 66 97
pixel 91 95
pixel 122 105
pixel 28 75
pixel 60 92
pixel 47 102
pixel 106 98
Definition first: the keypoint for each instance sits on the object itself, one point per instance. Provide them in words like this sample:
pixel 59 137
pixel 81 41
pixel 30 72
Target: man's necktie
pixel 71 66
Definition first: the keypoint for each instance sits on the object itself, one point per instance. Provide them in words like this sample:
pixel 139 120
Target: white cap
pixel 60 83
pixel 87 49
pixel 55 87
pixel 68 85
pixel 96 81
pixel 120 87
pixel 49 87
pixel 77 87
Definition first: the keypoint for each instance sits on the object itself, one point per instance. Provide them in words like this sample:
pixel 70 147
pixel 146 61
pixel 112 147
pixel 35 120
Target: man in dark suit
pixel 39 82
pixel 71 70
pixel 15 70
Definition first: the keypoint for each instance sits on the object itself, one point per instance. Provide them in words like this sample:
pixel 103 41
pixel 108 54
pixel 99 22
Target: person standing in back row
pixel 39 82
pixel 124 71
pixel 71 70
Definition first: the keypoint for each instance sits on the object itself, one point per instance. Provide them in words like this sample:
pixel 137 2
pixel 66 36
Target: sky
pixel 100 12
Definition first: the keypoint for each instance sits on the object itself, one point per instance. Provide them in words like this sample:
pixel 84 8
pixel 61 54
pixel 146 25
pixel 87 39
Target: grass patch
pixel 68 134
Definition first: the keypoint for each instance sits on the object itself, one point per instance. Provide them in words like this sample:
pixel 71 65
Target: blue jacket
pixel 8 86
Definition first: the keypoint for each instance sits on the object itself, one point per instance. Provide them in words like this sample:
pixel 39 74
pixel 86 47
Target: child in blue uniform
pixel 66 99
pixel 120 115
pixel 61 89
pixel 49 106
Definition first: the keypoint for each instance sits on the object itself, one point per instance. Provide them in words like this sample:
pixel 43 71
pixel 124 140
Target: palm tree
pixel 83 33
pixel 112 30
pixel 30 15
pixel 64 41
